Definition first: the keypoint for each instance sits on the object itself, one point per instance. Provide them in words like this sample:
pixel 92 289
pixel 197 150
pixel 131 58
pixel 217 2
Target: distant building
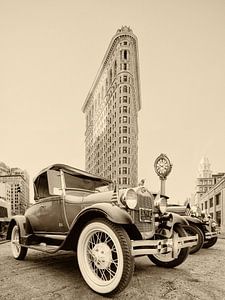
pixel 210 193
pixel 4 169
pixel 213 202
pixel 111 109
pixel 18 181
pixel 204 180
pixel 5 200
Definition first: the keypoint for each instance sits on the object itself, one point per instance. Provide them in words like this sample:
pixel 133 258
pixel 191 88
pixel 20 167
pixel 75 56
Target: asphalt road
pixel 42 276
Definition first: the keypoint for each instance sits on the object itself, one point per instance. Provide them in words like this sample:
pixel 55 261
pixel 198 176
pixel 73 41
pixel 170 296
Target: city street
pixel 42 276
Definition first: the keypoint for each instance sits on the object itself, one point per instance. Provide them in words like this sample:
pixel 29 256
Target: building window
pixel 125 78
pixel 218 218
pixel 124 159
pixel 124 150
pixel 115 68
pixel 124 139
pixel 124 99
pixel 124 170
pixel 125 109
pixel 125 89
pixel 124 180
pixel 110 76
pixel 206 206
pixel 124 119
pixel 125 55
pixel 211 202
pixel 124 129
pixel 218 196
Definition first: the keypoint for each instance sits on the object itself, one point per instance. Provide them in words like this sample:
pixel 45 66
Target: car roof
pixel 73 171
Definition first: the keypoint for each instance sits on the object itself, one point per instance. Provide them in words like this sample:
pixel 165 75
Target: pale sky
pixel 51 50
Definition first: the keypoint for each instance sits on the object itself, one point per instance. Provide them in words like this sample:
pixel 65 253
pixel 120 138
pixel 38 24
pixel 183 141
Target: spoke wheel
pixel 104 256
pixel 209 243
pixel 18 251
pixel 192 229
pixel 166 260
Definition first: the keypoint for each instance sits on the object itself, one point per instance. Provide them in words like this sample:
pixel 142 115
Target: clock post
pixel 162 167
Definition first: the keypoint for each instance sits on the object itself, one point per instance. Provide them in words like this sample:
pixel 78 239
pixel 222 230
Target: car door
pixel 46 215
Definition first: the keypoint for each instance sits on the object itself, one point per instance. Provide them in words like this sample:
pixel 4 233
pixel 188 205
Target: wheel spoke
pixel 103 275
pixel 115 263
pixel 113 249
pixel 107 239
pixel 111 273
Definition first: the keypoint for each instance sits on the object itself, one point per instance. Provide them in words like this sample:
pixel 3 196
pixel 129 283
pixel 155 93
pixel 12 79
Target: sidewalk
pixel 222 235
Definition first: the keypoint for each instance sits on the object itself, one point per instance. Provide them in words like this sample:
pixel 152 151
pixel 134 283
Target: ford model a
pixel 200 224
pixel 107 228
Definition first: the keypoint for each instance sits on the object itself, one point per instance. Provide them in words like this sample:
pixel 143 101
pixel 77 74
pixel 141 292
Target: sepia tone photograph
pixel 112 170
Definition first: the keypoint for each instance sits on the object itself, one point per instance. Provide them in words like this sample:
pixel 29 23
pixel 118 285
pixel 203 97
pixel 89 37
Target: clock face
pixel 162 166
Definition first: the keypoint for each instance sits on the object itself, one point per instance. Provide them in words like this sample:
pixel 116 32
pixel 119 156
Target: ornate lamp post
pixel 162 167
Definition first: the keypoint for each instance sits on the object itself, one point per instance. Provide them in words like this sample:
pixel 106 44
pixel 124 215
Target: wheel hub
pixel 102 255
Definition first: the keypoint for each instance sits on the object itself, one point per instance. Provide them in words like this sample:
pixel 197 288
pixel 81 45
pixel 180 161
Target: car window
pixel 42 186
pixel 82 182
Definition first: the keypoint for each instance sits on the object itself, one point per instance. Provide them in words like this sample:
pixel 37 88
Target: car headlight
pixel 129 199
pixel 161 204
pixel 214 224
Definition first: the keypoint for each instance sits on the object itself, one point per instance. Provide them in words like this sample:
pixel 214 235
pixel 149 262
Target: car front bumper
pixel 172 245
pixel 211 234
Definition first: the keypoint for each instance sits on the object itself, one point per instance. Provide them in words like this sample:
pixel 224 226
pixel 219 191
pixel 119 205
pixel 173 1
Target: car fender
pixel 99 210
pixel 21 222
pixel 198 223
pixel 112 212
pixel 169 221
pixel 193 220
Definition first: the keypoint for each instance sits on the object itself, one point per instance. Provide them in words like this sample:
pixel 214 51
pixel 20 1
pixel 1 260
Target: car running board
pixel 44 247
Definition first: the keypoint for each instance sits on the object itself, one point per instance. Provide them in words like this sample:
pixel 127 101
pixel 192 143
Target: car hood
pixel 92 198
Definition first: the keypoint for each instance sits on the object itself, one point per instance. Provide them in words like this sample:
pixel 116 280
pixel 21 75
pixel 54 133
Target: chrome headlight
pixel 213 224
pixel 161 204
pixel 129 199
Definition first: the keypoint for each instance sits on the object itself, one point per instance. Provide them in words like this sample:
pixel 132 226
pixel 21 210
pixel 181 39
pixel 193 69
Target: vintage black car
pixel 106 227
pixel 199 223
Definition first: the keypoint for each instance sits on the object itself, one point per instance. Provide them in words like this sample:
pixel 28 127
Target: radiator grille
pixel 145 202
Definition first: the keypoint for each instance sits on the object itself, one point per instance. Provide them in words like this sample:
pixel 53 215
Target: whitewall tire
pixel 104 256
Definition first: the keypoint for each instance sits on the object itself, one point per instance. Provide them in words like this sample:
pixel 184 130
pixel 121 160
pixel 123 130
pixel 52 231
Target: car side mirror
pixel 54 182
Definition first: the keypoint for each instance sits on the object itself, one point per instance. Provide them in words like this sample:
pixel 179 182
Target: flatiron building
pixel 111 109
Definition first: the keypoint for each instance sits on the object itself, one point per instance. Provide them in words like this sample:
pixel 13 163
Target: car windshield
pixel 84 183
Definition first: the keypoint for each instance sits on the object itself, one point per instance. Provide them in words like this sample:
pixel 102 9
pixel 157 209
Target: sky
pixel 50 52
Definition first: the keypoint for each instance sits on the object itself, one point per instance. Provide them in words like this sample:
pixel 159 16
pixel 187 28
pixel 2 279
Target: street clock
pixel 162 166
